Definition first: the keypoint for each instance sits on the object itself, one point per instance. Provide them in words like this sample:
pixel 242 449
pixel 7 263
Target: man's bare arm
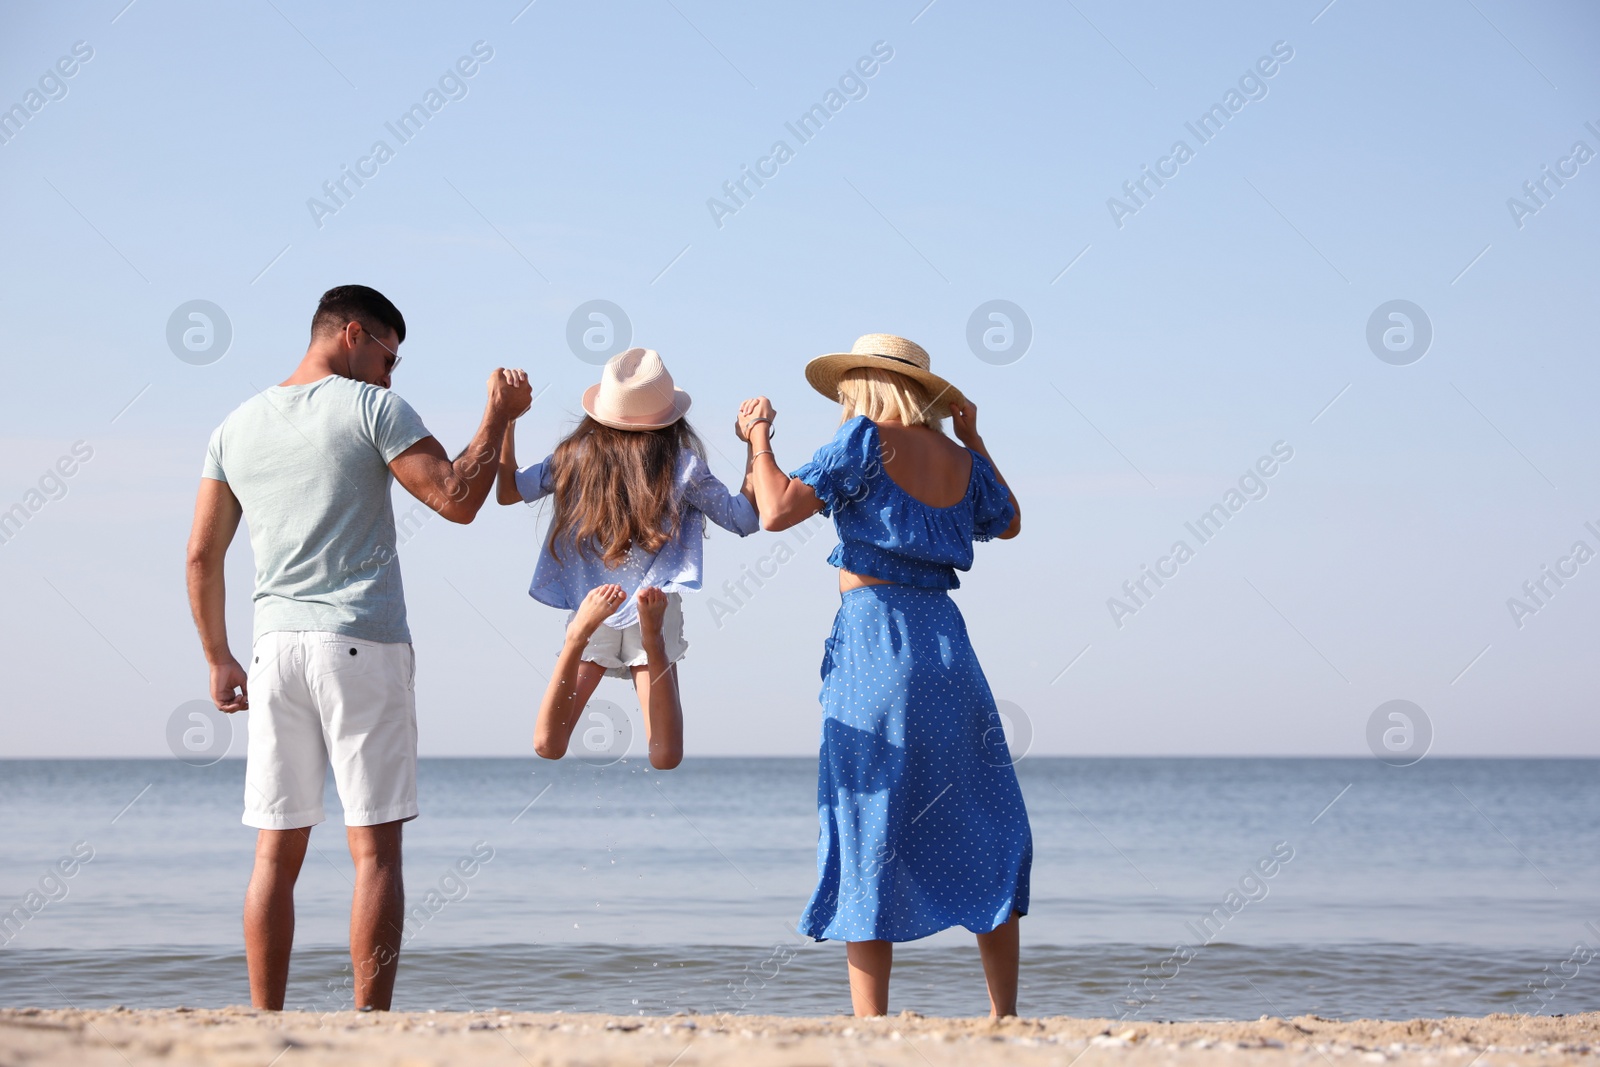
pixel 457 489
pixel 216 520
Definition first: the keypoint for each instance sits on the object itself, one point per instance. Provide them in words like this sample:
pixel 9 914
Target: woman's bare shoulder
pixel 922 442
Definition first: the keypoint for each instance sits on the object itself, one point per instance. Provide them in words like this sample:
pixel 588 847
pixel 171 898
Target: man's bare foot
pixel 600 603
pixel 652 610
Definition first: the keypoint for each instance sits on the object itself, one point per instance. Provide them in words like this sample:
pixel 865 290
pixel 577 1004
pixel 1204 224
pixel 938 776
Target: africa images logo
pixel 852 85
pixel 1252 86
pixel 452 85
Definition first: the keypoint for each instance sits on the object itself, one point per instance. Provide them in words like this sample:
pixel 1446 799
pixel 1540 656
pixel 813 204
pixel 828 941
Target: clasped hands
pixel 510 394
pixel 752 410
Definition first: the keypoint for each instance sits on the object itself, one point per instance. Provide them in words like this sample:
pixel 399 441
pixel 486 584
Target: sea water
pixel 1162 889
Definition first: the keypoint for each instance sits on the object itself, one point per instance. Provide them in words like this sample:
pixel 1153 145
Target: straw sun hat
pixel 635 392
pixel 884 351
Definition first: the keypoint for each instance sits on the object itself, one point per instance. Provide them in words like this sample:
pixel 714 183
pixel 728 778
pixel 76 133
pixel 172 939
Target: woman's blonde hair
pixel 617 489
pixel 883 395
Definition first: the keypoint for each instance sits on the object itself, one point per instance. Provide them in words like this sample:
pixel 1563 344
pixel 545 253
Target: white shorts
pixel 317 698
pixel 619 650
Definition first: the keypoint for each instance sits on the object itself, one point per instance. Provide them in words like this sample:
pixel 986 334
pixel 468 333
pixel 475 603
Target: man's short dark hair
pixel 356 303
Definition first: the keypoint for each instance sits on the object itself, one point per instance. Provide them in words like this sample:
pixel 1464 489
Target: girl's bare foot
pixel 652 610
pixel 601 602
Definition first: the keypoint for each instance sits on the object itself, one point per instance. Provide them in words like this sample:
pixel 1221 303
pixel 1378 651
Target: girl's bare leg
pixel 1000 950
pixel 657 685
pixel 869 976
pixel 573 681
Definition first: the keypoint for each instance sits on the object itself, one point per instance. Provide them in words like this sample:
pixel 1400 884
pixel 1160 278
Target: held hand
pixel 964 420
pixel 755 408
pixel 510 394
pixel 230 686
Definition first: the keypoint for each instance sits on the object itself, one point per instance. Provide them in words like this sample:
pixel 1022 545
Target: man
pixel 309 463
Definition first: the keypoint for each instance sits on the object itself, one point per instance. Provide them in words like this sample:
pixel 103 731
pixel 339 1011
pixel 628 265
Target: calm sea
pixel 1448 887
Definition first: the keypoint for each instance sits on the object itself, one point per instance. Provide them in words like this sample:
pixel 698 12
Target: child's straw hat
pixel 884 351
pixel 635 392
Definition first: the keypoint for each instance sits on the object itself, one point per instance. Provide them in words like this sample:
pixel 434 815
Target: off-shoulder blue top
pixel 885 532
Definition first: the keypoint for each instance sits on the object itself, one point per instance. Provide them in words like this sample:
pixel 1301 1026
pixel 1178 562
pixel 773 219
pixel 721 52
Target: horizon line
pixel 1350 757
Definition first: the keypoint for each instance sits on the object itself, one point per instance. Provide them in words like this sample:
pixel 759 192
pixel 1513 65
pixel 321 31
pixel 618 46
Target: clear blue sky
pixel 576 163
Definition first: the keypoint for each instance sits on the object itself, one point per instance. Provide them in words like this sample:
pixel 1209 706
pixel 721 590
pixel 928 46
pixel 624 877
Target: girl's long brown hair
pixel 615 489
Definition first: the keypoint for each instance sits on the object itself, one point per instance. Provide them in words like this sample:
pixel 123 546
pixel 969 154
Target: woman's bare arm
pixel 964 420
pixel 781 501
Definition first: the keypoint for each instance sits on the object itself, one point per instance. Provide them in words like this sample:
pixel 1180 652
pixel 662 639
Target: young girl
pixel 632 493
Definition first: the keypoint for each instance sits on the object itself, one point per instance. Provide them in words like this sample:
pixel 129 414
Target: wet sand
pixel 239 1036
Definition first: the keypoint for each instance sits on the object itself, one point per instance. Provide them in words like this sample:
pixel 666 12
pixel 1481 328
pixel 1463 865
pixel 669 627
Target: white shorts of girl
pixel 318 698
pixel 620 650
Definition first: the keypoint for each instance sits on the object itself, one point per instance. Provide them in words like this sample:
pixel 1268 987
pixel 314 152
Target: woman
pixel 922 822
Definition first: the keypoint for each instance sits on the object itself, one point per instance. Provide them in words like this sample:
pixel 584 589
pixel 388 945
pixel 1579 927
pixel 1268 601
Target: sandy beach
pixel 240 1036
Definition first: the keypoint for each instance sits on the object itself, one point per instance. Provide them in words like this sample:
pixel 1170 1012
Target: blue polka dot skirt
pixel 922 822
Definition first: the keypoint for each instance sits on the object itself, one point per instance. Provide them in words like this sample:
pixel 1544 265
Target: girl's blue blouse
pixel 676 567
pixel 884 532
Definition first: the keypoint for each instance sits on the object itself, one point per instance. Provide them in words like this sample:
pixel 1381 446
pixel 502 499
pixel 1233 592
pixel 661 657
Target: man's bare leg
pixel 377 913
pixel 269 913
pixel 869 976
pixel 574 679
pixel 1000 949
pixel 657 685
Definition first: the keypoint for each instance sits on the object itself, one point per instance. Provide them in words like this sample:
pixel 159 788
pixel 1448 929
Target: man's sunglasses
pixel 397 357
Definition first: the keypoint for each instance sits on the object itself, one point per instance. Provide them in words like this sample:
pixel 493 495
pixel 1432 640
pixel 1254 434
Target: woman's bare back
pixel 929 466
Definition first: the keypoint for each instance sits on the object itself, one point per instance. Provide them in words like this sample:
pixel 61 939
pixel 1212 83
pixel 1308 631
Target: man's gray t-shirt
pixel 310 465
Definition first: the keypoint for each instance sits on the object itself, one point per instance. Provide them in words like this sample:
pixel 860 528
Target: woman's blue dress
pixel 922 824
